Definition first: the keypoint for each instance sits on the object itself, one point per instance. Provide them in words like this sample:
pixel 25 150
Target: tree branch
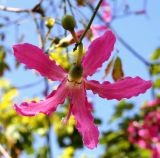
pixel 29 85
pixel 16 10
pixel 89 25
pixel 91 20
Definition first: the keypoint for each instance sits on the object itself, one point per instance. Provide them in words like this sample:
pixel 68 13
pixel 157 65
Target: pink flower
pixel 156 151
pixel 74 84
pixel 138 135
pixel 106 14
pixel 153 103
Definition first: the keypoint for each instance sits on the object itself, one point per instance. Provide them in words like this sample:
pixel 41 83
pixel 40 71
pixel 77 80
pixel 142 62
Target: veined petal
pixel 98 52
pixel 34 58
pixel 125 88
pixel 83 117
pixel 45 106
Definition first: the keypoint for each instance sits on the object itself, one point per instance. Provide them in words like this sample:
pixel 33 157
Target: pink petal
pixel 45 106
pixel 125 88
pixel 106 14
pixel 142 143
pixel 98 52
pixel 97 28
pixel 143 133
pixel 83 117
pixel 153 103
pixel 34 58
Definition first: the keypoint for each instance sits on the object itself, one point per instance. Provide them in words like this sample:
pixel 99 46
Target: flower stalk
pixel 80 48
pixel 90 23
pixel 74 36
pixel 80 54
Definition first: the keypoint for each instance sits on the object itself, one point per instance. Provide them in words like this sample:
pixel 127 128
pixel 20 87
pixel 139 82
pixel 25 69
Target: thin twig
pixel 89 24
pixel 19 20
pixel 38 30
pixel 47 36
pixel 65 32
pixel 71 7
pixel 78 11
pixel 122 41
pixel 4 152
pixel 16 10
pixel 29 85
pixel 91 20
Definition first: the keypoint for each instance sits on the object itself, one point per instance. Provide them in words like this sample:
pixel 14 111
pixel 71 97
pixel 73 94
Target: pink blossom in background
pixel 75 88
pixel 135 131
pixel 96 29
pixel 146 132
pixel 106 11
pixel 152 103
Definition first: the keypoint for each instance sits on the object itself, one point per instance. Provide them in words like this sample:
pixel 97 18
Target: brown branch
pixel 89 25
pixel 16 10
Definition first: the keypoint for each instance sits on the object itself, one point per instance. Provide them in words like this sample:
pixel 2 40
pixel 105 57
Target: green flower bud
pixel 68 22
pixel 75 72
pixel 50 22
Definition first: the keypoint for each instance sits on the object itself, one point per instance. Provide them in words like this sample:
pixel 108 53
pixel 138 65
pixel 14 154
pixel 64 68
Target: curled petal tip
pixel 92 145
pixel 19 109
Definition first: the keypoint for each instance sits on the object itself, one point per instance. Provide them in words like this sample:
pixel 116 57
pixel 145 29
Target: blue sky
pixel 141 32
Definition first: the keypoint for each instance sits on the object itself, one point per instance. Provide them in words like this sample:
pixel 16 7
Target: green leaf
pixel 155 69
pixel 108 68
pixel 120 109
pixel 117 72
pixel 2 54
pixel 156 54
pixel 42 152
pixel 156 84
pixel 3 68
